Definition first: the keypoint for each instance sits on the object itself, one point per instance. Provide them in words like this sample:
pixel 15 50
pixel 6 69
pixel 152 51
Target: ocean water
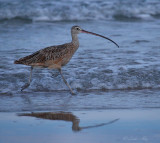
pixel 102 75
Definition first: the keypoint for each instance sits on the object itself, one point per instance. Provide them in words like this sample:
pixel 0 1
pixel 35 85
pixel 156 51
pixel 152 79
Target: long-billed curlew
pixel 54 57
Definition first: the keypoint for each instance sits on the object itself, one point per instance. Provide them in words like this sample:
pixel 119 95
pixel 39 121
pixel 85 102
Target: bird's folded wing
pixel 41 56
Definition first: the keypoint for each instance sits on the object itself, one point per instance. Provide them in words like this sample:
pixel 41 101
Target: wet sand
pixel 89 126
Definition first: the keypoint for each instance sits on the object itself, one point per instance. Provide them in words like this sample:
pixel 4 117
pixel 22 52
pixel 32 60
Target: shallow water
pixel 98 70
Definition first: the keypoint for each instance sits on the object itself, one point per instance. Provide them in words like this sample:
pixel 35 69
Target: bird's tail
pixel 17 62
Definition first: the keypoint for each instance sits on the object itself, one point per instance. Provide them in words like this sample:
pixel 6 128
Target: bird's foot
pixel 73 93
pixel 25 86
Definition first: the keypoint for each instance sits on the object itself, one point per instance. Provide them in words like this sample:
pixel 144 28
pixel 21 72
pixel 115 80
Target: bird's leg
pixel 29 81
pixel 60 71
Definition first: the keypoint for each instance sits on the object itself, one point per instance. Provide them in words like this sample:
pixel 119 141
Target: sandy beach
pixel 101 126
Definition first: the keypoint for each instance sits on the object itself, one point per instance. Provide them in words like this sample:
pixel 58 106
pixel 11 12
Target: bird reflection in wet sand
pixel 64 116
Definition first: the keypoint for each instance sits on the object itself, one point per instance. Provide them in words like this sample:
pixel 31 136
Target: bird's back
pixel 51 57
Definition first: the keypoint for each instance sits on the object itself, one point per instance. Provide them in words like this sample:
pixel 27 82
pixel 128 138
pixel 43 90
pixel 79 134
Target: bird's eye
pixel 77 28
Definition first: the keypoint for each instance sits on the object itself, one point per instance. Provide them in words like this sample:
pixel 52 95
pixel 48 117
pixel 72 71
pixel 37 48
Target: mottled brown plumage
pixel 50 57
pixel 54 57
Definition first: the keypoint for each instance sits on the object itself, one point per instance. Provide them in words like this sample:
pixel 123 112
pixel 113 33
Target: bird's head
pixel 77 30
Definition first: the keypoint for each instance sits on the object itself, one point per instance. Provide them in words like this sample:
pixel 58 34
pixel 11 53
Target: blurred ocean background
pixel 102 75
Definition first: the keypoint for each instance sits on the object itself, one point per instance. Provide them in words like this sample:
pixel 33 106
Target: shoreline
pixel 113 125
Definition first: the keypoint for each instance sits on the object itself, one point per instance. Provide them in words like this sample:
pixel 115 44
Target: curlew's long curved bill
pixel 84 31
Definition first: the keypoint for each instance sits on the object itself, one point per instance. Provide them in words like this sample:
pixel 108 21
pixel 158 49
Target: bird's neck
pixel 75 40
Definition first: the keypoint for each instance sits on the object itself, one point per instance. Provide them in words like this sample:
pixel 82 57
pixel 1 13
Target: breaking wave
pixel 52 10
pixel 93 79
